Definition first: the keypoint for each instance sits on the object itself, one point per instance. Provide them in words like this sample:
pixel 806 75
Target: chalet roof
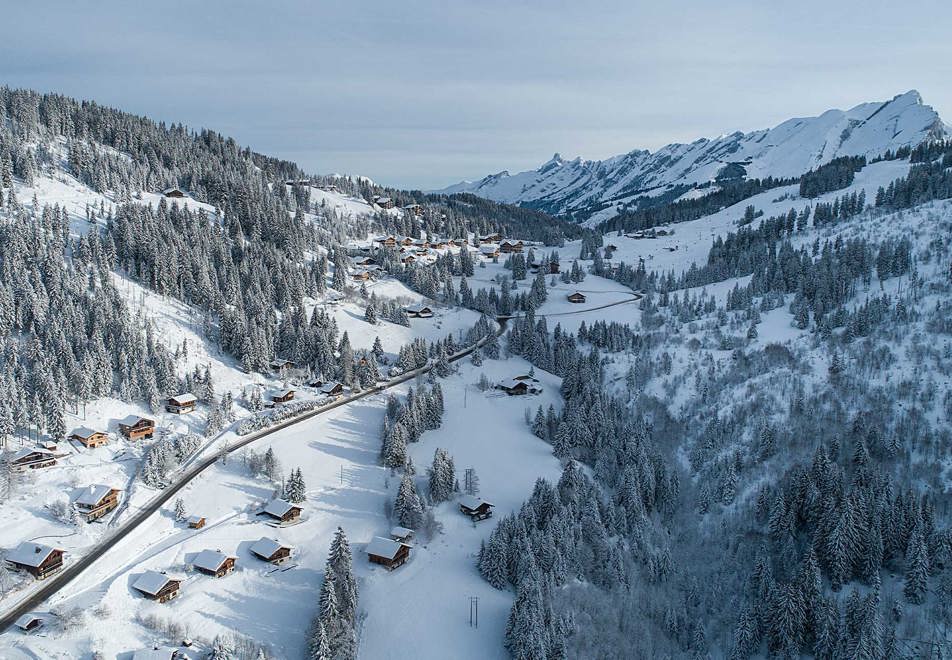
pixel 329 387
pixel 509 241
pixel 194 519
pixel 381 547
pixel 84 432
pixel 27 619
pixel 172 190
pixel 278 508
pixel 23 453
pixel 210 560
pixel 265 547
pixel 183 399
pixel 382 200
pixel 473 502
pixel 152 582
pixel 30 554
pixel 418 308
pixel 92 495
pixel 511 383
pixel 401 532
pixel 282 393
pixel 280 362
pixel 161 653
pixel 132 420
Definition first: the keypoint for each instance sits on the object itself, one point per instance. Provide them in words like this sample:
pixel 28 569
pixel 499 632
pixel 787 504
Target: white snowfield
pixel 788 149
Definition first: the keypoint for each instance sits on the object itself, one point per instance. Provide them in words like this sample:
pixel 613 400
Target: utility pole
pixel 474 611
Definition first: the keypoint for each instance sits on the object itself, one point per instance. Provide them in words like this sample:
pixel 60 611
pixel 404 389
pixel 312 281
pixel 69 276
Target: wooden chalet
pixel 364 261
pixel 332 388
pixel 519 386
pixel 214 562
pixel 157 586
pixel 489 251
pixel 181 403
pixel 175 193
pixel 89 438
pixel 401 534
pixel 388 552
pixel 418 311
pixel 553 267
pixel 157 652
pixel 387 241
pixel 29 622
pixel 491 238
pixel 96 501
pixel 280 364
pixel 383 202
pixel 195 522
pixel 31 458
pixel 407 259
pixel 415 209
pixel 37 559
pixel 361 274
pixel 508 247
pixel 282 511
pixel 135 427
pixel 271 550
pixel 475 507
pixel 282 396
pixel 576 297
pixel 406 241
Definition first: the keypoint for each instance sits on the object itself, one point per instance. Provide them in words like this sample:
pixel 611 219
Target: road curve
pixel 58 581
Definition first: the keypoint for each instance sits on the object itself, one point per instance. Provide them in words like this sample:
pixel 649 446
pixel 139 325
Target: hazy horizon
pixel 423 95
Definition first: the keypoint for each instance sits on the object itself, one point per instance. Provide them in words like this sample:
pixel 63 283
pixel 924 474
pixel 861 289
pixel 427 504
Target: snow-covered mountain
pixel 789 149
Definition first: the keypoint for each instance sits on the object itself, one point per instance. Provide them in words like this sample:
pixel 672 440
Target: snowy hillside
pixel 793 147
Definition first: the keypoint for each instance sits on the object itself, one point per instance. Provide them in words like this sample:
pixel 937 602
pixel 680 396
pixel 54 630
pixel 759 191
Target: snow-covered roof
pixel 132 420
pixel 210 560
pixel 401 532
pixel 383 200
pixel 327 388
pixel 23 453
pixel 30 554
pixel 265 547
pixel 282 393
pixel 381 547
pixel 510 383
pixel 278 507
pixel 151 582
pixel 184 399
pixel 84 432
pixel 194 519
pixel 418 308
pixel 92 495
pixel 161 653
pixel 473 502
pixel 27 619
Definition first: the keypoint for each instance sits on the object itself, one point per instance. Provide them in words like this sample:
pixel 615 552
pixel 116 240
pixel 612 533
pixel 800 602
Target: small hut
pixel 475 507
pixel 282 511
pixel 271 550
pixel 576 297
pixel 157 586
pixel 214 562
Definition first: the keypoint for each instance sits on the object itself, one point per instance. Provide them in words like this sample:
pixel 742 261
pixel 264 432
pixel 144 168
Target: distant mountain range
pixel 593 189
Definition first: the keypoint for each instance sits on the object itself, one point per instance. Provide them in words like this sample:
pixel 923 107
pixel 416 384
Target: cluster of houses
pixel 162 587
pixel 655 232
pixel 394 551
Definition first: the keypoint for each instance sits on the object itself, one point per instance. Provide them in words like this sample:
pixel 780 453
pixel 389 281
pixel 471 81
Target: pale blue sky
pixel 423 94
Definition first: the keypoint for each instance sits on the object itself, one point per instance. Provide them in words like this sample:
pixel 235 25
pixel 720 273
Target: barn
pixel 157 586
pixel 214 562
pixel 37 559
pixel 89 438
pixel 388 552
pixel 519 386
pixel 175 193
pixel 271 550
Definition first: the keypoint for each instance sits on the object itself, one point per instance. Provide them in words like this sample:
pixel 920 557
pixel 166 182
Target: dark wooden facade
pixel 50 565
pixel 397 560
pixel 106 504
pixel 141 428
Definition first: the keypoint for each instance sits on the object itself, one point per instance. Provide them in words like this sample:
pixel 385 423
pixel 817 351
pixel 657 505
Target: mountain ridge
pixel 583 187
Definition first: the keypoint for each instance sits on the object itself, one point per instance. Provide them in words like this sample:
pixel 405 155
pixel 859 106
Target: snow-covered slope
pixel 787 150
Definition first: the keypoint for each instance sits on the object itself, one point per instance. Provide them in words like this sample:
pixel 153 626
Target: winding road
pixel 58 581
